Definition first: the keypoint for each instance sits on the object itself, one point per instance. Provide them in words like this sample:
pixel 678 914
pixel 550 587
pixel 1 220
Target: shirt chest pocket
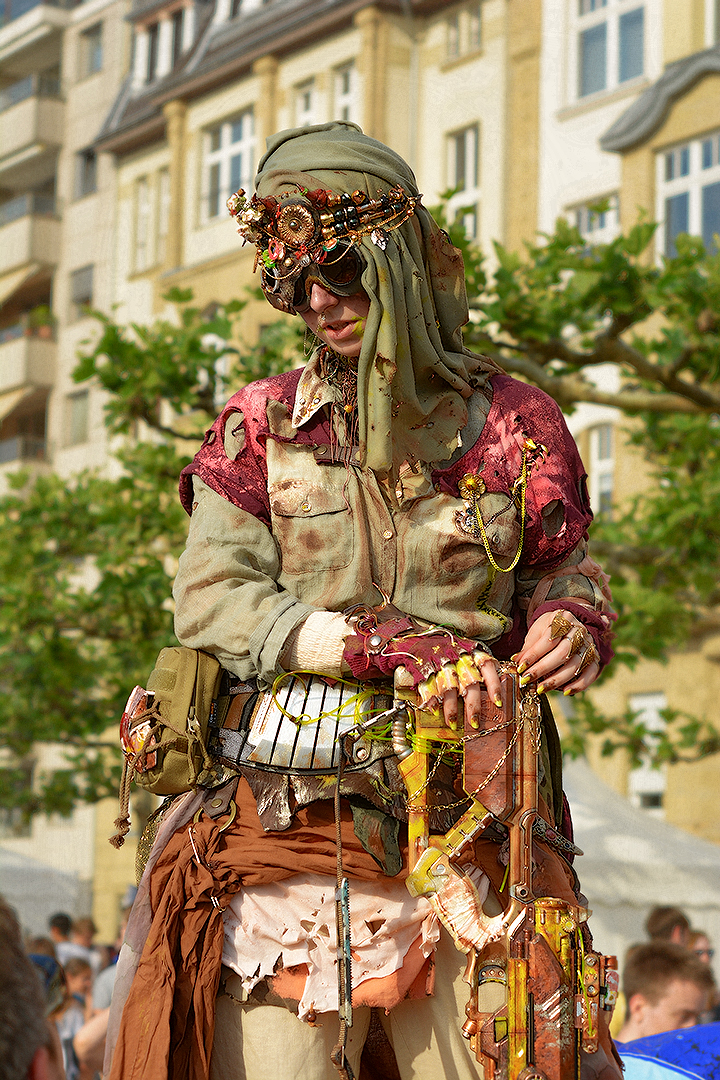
pixel 313 527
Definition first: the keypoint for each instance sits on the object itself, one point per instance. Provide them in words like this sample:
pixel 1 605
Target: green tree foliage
pixel 552 317
pixel 86 563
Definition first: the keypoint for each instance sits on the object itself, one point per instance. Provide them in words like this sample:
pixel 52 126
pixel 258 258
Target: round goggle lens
pixel 340 273
pixel 344 270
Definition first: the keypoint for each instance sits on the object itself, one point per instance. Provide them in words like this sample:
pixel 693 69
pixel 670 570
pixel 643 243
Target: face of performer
pixel 339 321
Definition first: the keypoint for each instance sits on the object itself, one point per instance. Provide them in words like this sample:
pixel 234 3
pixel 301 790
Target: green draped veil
pixel 414 374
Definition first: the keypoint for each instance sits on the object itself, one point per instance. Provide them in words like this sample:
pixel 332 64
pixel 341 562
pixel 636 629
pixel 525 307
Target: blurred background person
pixel 105 981
pixel 701 946
pixel 80 945
pixel 59 927
pixel 668 924
pixel 699 943
pixel 76 1011
pixel 29 1045
pixel 666 987
pixel 79 979
pixel 40 946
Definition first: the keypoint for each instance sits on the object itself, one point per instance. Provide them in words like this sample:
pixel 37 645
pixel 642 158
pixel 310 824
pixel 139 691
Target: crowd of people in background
pixel 667 982
pixel 55 994
pixel 55 991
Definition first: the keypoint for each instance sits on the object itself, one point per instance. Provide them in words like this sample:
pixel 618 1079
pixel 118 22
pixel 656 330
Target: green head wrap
pixel 414 374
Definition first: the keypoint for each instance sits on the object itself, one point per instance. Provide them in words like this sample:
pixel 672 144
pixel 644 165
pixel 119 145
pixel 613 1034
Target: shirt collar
pixel 313 392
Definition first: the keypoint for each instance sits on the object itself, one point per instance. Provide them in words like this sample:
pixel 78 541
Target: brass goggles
pixel 305 236
pixel 339 273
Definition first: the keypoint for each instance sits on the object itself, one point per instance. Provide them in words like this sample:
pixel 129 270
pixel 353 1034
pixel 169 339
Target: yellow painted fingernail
pixel 498 701
pixel 568 693
pixel 522 667
pixel 474 721
pixel 525 680
pixel 541 689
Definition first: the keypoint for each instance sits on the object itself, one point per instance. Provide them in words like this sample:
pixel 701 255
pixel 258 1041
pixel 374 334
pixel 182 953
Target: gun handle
pixel 471 1026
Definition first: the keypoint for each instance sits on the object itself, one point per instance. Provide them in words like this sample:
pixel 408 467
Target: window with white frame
pixel 688 185
pixel 229 161
pixel 646 785
pixel 345 92
pixel 306 103
pixel 463 31
pixel 143 225
pixel 474 27
pixel 464 177
pixel 81 291
pixel 598 221
pixel 611 38
pixel 163 214
pixel 91 51
pixel 601 469
pixel 452 27
pixel 712 23
pixel 85 173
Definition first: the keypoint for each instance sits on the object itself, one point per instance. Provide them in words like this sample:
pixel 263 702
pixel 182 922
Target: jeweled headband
pixel 301 228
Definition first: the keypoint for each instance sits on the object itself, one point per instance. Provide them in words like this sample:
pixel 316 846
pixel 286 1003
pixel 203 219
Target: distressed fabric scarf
pixel 414 374
pixel 168 1025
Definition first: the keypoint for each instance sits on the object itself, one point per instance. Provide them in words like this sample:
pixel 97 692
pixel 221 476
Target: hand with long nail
pixel 559 653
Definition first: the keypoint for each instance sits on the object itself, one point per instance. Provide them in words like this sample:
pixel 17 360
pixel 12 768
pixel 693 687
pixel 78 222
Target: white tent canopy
pixel 36 891
pixel 633 862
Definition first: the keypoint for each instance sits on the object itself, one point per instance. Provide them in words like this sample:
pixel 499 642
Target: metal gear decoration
pixel 296 224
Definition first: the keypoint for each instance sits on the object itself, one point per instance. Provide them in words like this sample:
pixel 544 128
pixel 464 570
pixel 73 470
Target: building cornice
pixel 638 123
pixel 125 140
pixel 232 54
pixel 228 51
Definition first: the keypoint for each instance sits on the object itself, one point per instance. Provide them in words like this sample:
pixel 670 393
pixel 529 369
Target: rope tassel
pixel 122 821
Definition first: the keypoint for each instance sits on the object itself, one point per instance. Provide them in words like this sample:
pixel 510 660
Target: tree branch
pixel 613 350
pixel 571 389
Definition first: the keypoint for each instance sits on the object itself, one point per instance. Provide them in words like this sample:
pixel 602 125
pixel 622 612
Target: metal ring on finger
pixel 578 641
pixel 590 656
pixel 560 626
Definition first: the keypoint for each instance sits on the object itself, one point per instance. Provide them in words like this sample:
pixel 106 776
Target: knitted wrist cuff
pixel 317 644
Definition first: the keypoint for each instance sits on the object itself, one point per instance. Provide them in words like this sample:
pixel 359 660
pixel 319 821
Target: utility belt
pixel 198 725
pixel 298 727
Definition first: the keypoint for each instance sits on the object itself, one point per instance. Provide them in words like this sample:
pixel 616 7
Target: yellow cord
pixel 356 701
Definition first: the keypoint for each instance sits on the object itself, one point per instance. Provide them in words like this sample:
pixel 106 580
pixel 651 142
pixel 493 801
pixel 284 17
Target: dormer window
pixel 153 41
pixel 177 20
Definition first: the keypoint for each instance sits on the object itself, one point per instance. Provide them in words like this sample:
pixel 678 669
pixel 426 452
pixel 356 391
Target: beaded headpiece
pixel 304 228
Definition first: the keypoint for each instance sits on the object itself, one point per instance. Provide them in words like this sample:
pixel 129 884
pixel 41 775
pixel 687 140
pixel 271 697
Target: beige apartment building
pixel 123 130
pixel 630 113
pixel 60 70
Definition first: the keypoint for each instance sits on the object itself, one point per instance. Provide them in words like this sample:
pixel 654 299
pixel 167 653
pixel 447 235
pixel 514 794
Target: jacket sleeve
pixel 227 600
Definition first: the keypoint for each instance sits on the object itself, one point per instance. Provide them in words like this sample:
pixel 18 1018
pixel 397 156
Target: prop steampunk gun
pixel 535 990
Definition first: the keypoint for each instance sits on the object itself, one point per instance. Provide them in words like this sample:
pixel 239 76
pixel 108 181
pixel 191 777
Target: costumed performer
pixel 397 477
